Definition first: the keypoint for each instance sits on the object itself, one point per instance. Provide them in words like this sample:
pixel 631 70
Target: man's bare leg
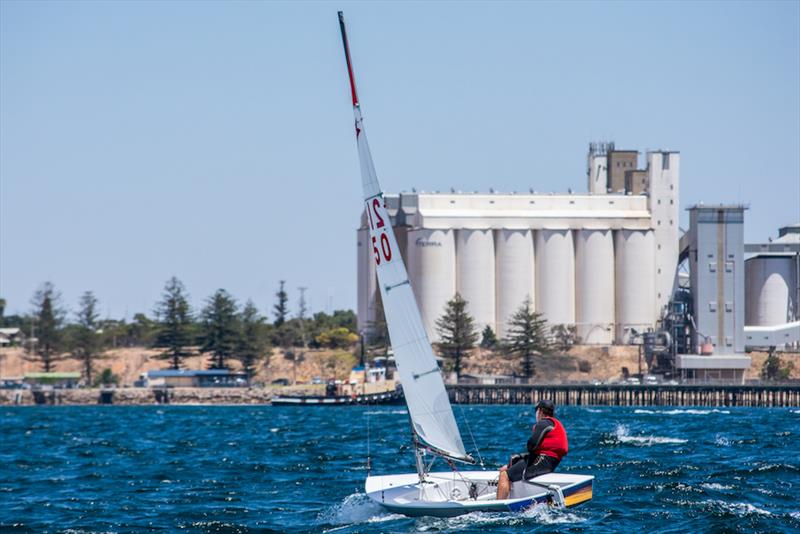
pixel 503 484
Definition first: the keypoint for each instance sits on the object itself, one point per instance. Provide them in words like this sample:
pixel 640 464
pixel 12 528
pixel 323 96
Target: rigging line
pixel 469 429
pixel 369 466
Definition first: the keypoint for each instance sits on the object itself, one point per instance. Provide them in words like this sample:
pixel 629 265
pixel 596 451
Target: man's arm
pixel 540 429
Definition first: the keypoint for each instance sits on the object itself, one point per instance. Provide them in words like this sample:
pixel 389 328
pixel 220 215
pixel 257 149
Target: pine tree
pixel 47 341
pixel 488 338
pixel 527 335
pixel 175 324
pixel 456 331
pixel 86 343
pixel 252 348
pixel 281 308
pixel 220 329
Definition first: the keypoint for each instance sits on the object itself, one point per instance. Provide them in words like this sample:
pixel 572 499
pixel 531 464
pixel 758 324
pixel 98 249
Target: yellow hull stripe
pixel 578 497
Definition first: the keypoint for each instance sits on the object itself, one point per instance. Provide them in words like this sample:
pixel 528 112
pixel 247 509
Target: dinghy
pixel 434 431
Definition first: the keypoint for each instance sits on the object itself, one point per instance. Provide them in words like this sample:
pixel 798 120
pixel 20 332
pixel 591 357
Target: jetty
pixel 629 395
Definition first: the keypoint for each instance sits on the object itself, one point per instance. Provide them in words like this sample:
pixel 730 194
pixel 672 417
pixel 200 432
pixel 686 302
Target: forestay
pixel 428 404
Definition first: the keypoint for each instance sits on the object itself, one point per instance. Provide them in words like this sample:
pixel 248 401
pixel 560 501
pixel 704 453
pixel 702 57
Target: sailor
pixel 546 446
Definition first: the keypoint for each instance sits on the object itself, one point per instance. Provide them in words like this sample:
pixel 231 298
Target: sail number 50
pixel 384 251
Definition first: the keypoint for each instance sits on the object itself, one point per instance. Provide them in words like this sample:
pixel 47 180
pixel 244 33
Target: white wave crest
pixel 739 508
pixel 715 486
pixel 355 508
pixel 722 441
pixel 688 411
pixel 622 433
pixel 543 513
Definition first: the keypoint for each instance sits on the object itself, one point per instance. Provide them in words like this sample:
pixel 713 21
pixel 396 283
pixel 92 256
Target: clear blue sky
pixel 213 141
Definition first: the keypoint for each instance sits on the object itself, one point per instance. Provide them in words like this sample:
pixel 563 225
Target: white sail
pixel 426 397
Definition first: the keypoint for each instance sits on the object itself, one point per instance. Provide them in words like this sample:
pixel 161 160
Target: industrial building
pixel 606 261
pixel 596 260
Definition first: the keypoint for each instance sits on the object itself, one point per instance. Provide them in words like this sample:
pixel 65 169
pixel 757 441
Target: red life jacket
pixel 554 442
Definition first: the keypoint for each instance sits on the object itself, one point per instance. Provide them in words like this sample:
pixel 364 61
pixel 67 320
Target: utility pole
pixel 301 313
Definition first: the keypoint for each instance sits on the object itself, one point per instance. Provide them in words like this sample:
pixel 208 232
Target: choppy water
pixel 240 469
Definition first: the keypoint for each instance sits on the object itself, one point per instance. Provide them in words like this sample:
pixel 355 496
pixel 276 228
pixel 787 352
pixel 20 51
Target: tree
pixel 281 308
pixel 457 332
pixel 252 347
pixel 322 322
pixel 488 338
pixel 175 324
pixel 527 335
pixel 86 343
pixel 220 329
pixel 142 330
pixel 47 343
pixel 337 338
pixel 106 378
pixel 774 369
pixel 564 335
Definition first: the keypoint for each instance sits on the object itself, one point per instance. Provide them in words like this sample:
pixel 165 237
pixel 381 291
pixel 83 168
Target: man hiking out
pixel 546 446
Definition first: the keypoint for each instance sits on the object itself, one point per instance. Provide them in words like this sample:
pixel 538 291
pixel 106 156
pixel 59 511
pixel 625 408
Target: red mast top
pixel 349 61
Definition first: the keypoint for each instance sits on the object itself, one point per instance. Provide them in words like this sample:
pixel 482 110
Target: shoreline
pixel 705 395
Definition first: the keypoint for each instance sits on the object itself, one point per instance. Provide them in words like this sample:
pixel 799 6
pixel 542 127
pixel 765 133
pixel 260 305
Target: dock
pixel 769 396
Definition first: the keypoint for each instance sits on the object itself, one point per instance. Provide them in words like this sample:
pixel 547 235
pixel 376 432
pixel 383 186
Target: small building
pixel 56 380
pixel 182 378
pixel 10 336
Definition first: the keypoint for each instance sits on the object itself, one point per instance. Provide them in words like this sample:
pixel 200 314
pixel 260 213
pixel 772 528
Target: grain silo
pixel 475 274
pixel 515 273
pixel 368 281
pixel 771 290
pixel 635 282
pixel 555 280
pixel 431 266
pixel 594 285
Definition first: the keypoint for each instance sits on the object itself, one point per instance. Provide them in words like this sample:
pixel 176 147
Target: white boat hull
pixel 447 494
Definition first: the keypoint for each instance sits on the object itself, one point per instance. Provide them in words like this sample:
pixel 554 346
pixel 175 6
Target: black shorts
pixel 537 465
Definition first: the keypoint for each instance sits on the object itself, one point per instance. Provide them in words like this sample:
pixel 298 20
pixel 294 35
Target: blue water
pixel 263 469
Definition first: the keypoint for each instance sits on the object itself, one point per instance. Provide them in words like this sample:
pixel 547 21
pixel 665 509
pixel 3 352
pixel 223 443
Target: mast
pixel 434 428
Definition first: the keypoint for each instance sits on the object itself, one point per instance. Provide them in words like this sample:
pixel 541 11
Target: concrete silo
pixel 515 273
pixel 431 267
pixel 555 276
pixel 635 282
pixel 475 274
pixel 770 282
pixel 367 281
pixel 594 285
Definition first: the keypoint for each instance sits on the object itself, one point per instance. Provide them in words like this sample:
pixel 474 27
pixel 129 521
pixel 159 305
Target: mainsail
pixel 428 405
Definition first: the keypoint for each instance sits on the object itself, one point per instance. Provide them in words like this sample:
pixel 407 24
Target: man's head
pixel 545 408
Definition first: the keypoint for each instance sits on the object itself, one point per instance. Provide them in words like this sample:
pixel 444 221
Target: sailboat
pixel 434 431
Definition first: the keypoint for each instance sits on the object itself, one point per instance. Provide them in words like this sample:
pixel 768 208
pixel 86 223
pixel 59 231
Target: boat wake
pixel 622 433
pixel 358 509
pixel 540 514
pixel 354 509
